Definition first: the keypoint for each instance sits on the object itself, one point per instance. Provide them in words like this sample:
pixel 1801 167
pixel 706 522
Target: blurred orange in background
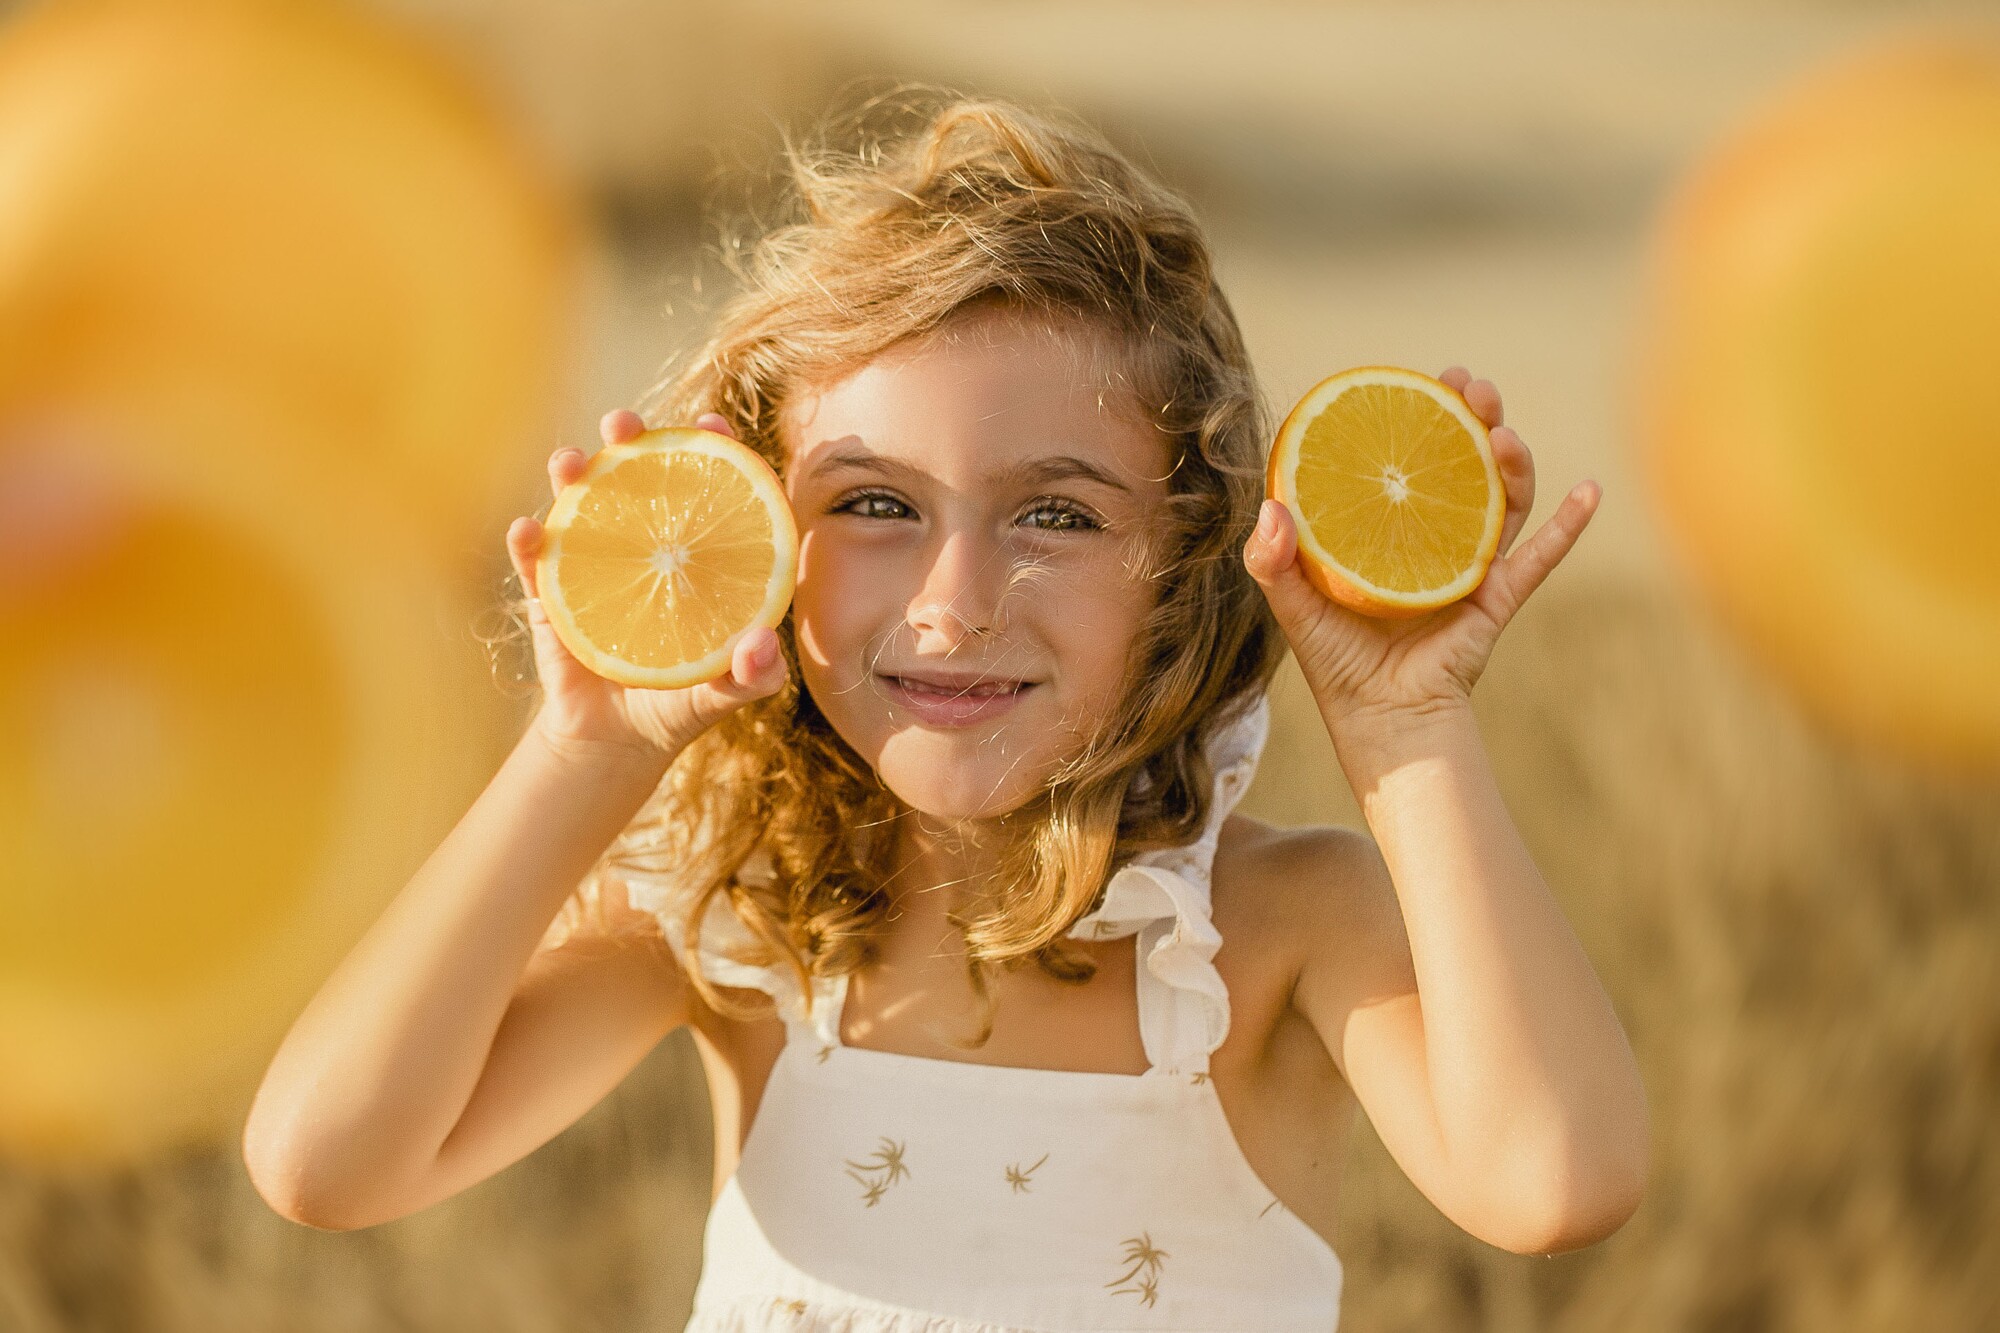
pixel 284 309
pixel 1816 411
pixel 291 201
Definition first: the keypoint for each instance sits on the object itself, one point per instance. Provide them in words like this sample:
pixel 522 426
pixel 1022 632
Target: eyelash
pixel 1083 520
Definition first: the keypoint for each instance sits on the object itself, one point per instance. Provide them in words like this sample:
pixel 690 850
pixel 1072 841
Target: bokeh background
pixel 255 466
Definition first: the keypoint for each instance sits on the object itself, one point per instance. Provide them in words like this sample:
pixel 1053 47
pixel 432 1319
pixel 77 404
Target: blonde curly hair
pixel 905 213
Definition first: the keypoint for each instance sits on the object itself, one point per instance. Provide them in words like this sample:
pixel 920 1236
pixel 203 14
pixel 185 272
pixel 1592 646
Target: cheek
pixel 844 609
pixel 830 607
pixel 1092 616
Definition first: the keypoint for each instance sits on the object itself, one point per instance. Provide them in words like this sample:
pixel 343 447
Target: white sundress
pixel 887 1193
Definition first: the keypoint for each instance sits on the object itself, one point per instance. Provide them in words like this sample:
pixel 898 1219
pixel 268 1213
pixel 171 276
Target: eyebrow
pixel 1046 468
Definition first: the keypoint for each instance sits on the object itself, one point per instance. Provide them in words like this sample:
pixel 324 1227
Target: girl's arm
pixel 1472 1030
pixel 448 1044
pixel 444 1046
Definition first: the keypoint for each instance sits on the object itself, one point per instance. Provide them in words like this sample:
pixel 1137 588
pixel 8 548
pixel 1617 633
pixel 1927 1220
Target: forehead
pixel 986 395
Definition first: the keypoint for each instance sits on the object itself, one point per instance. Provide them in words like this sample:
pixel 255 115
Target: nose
pixel 960 595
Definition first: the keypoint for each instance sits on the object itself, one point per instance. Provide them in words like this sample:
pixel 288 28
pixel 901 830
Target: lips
pixel 970 685
pixel 939 700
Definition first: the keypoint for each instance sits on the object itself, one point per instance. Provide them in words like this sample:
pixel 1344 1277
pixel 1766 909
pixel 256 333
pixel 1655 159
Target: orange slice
pixel 1392 486
pixel 666 548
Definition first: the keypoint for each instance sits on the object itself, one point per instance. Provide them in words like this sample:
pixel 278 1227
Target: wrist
pixel 595 755
pixel 1373 739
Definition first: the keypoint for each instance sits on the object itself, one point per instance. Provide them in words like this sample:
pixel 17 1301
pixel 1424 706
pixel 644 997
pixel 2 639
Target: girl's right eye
pixel 872 504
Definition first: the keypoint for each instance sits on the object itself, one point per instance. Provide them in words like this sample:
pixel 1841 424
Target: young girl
pixel 1009 1022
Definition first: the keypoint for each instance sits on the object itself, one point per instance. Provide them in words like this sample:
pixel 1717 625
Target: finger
pixel 1271 556
pixel 716 422
pixel 621 425
pixel 756 663
pixel 1273 542
pixel 1483 397
pixel 524 544
pixel 1456 377
pixel 565 466
pixel 1523 572
pixel 756 670
pixel 556 668
pixel 1517 476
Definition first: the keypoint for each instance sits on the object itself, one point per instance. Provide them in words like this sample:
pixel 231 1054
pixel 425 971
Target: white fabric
pixel 1163 897
pixel 887 1193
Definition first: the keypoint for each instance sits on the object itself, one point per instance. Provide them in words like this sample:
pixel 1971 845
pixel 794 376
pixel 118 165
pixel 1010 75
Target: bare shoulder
pixel 1320 892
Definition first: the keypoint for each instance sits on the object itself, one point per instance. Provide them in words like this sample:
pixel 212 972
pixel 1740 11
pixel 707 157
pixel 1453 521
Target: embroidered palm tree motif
pixel 1199 1076
pixel 823 1052
pixel 1018 1176
pixel 885 1167
pixel 789 1307
pixel 1142 1279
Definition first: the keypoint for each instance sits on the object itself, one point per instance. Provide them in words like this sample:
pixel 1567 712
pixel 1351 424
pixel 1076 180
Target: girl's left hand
pixel 1364 666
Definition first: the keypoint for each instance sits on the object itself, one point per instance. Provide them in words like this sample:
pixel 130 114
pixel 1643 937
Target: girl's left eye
pixel 1061 516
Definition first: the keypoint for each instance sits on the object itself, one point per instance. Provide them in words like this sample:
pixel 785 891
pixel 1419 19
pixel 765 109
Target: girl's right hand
pixel 582 712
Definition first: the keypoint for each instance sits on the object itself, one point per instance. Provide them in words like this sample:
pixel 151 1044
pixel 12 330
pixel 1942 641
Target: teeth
pixel 929 688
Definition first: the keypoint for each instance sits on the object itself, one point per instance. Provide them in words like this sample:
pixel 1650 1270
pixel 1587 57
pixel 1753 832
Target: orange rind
pixel 1392 485
pixel 667 549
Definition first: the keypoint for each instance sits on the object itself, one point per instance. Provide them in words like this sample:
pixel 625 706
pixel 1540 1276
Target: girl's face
pixel 967 506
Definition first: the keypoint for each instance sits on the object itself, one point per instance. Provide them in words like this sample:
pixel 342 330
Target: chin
pixel 960 778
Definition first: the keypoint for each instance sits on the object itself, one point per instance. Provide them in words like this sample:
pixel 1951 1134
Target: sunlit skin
pixel 948 528
pixel 1424 975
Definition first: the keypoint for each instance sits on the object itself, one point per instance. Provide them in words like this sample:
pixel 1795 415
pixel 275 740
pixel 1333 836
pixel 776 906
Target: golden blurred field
pixel 1799 935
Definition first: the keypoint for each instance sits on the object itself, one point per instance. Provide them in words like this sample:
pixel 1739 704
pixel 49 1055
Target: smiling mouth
pixel 945 689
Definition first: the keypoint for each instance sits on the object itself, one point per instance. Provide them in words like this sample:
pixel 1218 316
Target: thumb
pixel 756 671
pixel 1271 556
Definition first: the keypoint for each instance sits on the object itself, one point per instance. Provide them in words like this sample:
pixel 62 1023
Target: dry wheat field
pixel 1799 935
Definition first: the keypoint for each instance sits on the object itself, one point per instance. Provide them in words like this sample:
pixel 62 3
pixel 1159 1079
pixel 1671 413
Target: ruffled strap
pixel 1161 896
pixel 1164 897
pixel 722 934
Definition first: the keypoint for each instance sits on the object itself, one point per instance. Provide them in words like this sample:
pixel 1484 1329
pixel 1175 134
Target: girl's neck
pixel 940 866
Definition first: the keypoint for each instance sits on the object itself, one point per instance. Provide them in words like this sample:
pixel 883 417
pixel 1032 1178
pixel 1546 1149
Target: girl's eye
pixel 1060 516
pixel 873 504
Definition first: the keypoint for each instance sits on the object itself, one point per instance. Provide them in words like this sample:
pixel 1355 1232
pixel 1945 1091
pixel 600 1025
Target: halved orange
pixel 1819 295
pixel 1392 486
pixel 666 548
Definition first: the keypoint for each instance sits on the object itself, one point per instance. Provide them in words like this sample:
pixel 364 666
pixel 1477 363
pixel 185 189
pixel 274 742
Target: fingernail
pixel 763 653
pixel 1267 522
